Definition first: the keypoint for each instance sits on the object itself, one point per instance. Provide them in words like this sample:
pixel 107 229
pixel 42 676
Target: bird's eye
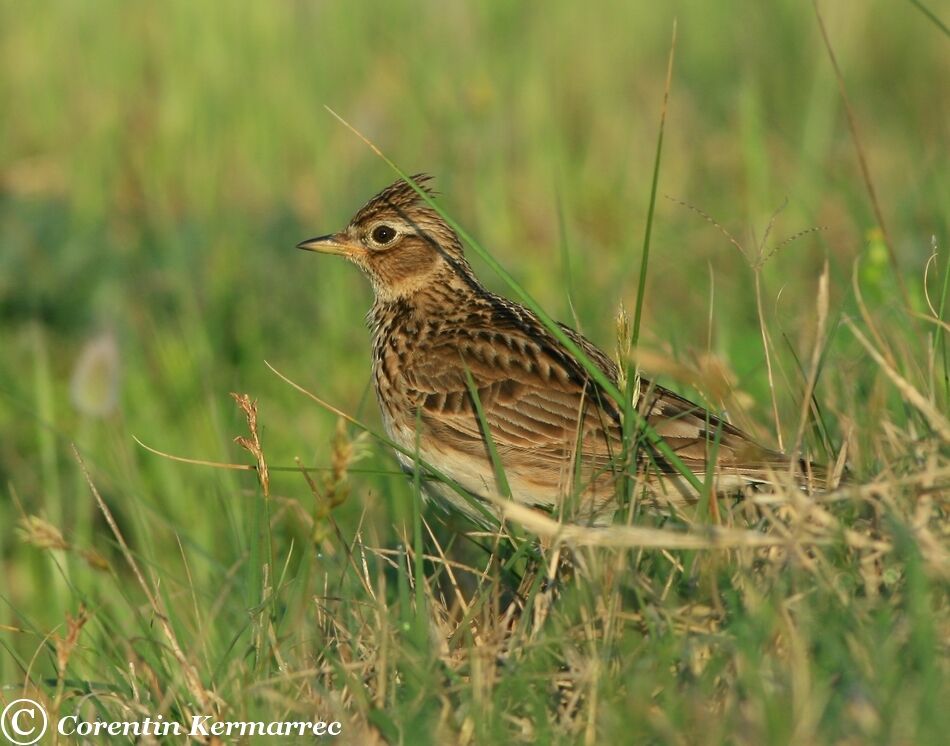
pixel 383 234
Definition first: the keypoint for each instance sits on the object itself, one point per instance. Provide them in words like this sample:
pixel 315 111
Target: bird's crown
pixel 399 198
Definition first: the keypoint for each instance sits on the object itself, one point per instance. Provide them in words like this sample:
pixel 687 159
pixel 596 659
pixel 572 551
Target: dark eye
pixel 383 234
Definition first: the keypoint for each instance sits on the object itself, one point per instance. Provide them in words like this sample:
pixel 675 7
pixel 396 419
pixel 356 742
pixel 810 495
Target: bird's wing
pixel 534 403
pixel 694 434
pixel 691 430
pixel 541 408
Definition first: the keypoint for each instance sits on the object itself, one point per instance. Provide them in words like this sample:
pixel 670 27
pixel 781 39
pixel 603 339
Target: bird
pixel 479 388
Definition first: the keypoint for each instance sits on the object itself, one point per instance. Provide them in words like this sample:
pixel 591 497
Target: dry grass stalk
pixel 821 328
pixel 205 700
pixel 253 444
pixel 934 418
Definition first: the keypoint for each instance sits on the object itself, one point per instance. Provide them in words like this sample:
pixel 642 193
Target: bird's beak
pixel 329 244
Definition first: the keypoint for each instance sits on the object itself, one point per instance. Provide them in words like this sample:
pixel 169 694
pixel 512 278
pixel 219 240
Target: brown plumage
pixel 556 432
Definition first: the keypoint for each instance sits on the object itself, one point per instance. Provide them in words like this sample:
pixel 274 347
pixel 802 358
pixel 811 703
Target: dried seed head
pixel 40 533
pixel 253 444
pixel 622 344
pixel 344 453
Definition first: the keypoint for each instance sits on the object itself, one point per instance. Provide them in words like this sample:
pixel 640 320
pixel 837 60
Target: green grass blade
pixel 497 466
pixel 631 423
pixel 931 16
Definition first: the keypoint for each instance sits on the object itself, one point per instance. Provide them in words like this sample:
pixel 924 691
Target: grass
pixel 156 169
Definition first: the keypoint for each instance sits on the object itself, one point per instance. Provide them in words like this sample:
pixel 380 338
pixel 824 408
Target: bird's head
pixel 399 242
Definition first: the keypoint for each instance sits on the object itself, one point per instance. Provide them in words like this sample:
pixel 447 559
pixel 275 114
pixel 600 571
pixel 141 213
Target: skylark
pixel 444 347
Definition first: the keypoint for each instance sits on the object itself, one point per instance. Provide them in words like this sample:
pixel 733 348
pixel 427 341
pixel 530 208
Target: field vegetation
pixel 158 163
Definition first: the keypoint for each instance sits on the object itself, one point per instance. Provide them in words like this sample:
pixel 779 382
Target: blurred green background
pixel 158 162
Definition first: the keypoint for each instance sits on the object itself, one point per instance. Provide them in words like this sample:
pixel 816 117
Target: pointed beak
pixel 329 244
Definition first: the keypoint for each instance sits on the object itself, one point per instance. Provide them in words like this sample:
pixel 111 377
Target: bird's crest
pixel 398 196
